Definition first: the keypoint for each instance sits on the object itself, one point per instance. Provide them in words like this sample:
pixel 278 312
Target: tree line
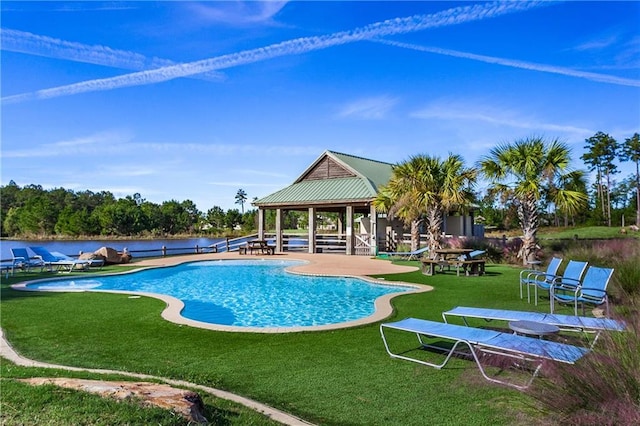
pixel 530 183
pixel 34 212
pixel 530 180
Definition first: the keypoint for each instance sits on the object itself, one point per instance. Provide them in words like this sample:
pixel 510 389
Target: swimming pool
pixel 244 293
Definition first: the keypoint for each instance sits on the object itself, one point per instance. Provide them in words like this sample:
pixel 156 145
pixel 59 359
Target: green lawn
pixel 587 232
pixel 341 377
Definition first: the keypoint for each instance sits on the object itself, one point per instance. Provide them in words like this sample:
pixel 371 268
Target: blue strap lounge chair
pixel 592 290
pixel 474 254
pixel 410 255
pixel 570 278
pixel 62 263
pixel 478 341
pixel 529 277
pixel 563 322
pixel 21 259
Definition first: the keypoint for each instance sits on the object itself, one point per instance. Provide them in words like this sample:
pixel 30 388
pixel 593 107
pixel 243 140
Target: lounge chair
pixel 21 259
pixel 524 349
pixel 563 322
pixel 61 262
pixel 529 277
pixel 592 290
pixel 410 255
pixel 570 278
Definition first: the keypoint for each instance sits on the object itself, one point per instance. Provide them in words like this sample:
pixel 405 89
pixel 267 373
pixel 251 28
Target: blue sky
pixel 195 100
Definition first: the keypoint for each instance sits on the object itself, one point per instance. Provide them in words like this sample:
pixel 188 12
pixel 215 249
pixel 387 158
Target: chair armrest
pixel 541 277
pixel 528 272
pixel 565 289
pixel 591 289
pixel 568 283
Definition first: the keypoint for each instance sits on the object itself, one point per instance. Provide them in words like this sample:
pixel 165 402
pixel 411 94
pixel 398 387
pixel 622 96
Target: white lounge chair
pixel 524 349
pixel 410 255
pixel 61 262
pixel 563 322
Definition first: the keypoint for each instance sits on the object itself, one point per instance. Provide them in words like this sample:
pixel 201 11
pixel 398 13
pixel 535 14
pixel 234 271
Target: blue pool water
pixel 246 293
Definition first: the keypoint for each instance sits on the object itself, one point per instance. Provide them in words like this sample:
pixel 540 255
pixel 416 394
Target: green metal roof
pixel 377 172
pixel 370 174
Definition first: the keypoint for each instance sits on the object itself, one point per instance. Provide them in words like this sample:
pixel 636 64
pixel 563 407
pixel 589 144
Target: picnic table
pixel 256 247
pixel 456 257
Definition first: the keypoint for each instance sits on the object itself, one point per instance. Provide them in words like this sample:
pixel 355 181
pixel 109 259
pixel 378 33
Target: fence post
pixel 197 249
pixel 164 251
pixel 228 249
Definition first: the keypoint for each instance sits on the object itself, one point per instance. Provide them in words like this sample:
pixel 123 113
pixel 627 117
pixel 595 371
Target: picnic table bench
pixel 470 267
pixel 257 247
pixel 430 266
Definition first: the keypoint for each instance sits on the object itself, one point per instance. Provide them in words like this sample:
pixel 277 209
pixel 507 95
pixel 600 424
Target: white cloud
pixel 448 17
pixel 374 108
pixel 95 144
pixel 130 170
pixel 119 142
pixel 38 45
pixel 254 172
pixel 597 44
pixel 467 113
pixel 603 78
pixel 237 12
pixel 240 184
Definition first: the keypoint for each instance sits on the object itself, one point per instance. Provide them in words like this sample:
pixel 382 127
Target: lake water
pixel 137 248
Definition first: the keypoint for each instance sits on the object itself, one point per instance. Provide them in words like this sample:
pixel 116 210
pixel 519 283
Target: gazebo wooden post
pixel 349 233
pixel 373 238
pixel 312 229
pixel 261 224
pixel 279 217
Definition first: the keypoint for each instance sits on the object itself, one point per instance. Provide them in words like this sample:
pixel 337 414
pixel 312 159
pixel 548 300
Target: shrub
pixel 510 251
pixel 493 252
pixel 603 387
pixel 620 254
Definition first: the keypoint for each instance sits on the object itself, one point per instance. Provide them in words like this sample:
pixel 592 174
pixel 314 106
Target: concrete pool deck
pixel 317 264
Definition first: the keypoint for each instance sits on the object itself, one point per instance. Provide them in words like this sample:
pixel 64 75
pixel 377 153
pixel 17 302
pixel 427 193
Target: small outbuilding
pixel 346 185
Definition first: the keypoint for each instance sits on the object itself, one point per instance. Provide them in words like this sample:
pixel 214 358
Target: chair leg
pixel 521 297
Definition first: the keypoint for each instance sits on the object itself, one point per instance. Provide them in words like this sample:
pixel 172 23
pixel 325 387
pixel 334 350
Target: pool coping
pixel 313 265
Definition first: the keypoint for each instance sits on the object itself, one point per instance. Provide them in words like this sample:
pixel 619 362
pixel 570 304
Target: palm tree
pixel 531 167
pixel 401 198
pixel 241 197
pixel 423 189
pixel 631 152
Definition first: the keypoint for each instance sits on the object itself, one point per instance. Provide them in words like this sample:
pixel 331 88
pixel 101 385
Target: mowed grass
pixel 341 377
pixel 23 404
pixel 586 232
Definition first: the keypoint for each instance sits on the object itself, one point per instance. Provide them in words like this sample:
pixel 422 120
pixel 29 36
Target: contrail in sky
pixel 604 78
pixel 291 47
pixel 33 44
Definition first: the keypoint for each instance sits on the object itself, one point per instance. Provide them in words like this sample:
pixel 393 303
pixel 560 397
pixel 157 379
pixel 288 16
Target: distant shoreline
pixel 112 238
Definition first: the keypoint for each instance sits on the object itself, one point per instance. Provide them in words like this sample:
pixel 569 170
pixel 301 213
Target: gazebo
pixel 347 185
